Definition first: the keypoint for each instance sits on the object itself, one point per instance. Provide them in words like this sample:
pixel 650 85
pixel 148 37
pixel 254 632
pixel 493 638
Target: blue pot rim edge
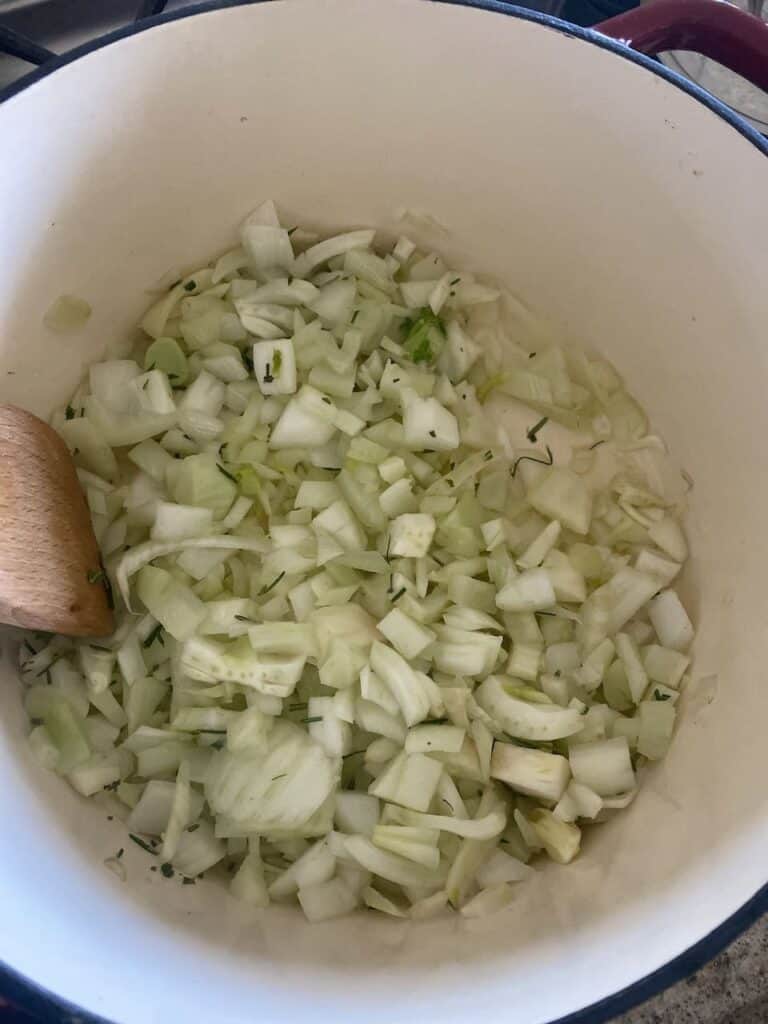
pixel 30 997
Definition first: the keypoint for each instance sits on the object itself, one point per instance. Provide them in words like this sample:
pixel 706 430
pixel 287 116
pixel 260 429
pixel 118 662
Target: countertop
pixel 732 989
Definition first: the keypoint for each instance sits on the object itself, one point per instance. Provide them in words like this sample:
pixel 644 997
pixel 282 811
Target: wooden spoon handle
pixel 50 572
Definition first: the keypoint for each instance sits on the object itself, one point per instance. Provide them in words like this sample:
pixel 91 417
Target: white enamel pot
pixel 606 192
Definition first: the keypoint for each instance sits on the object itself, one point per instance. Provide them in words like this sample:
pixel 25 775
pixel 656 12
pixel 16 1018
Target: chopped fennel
pixel 396 606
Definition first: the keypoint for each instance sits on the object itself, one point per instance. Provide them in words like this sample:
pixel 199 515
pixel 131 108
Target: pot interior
pixel 606 198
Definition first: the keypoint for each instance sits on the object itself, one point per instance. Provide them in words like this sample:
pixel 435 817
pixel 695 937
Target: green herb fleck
pixel 69 412
pixel 596 445
pixel 167 870
pixel 354 316
pixel 398 595
pixel 276 777
pixel 95 575
pixel 277 362
pixel 156 634
pixel 142 844
pixel 658 695
pixel 110 595
pixel 192 828
pixel 291 230
pixel 531 434
pixel 454 282
pixel 120 853
pixel 423 336
pixel 275 581
pixel 313 718
pixel 190 286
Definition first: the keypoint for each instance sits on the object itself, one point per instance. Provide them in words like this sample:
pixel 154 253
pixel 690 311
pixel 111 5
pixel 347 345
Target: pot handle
pixel 14 44
pixel 710 27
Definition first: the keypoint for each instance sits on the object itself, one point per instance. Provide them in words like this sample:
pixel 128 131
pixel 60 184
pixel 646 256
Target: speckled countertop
pixel 733 989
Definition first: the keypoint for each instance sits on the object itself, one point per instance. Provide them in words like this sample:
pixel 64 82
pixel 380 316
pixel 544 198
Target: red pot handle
pixel 711 27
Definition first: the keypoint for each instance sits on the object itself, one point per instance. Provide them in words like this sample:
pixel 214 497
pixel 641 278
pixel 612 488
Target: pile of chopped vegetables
pixel 394 587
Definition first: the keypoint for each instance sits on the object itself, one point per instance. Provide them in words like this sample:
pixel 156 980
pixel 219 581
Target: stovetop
pixel 59 25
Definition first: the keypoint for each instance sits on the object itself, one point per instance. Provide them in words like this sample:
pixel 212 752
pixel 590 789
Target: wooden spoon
pixel 51 577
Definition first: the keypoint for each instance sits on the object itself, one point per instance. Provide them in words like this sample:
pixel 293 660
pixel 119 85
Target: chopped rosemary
pixel 596 444
pixel 531 434
pixel 276 777
pixel 156 634
pixel 142 844
pixel 398 595
pixel 275 581
pixel 532 458
pixel 268 378
pixel 313 718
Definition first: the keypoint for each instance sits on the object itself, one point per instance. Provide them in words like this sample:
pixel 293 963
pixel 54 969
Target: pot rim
pixel 28 995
